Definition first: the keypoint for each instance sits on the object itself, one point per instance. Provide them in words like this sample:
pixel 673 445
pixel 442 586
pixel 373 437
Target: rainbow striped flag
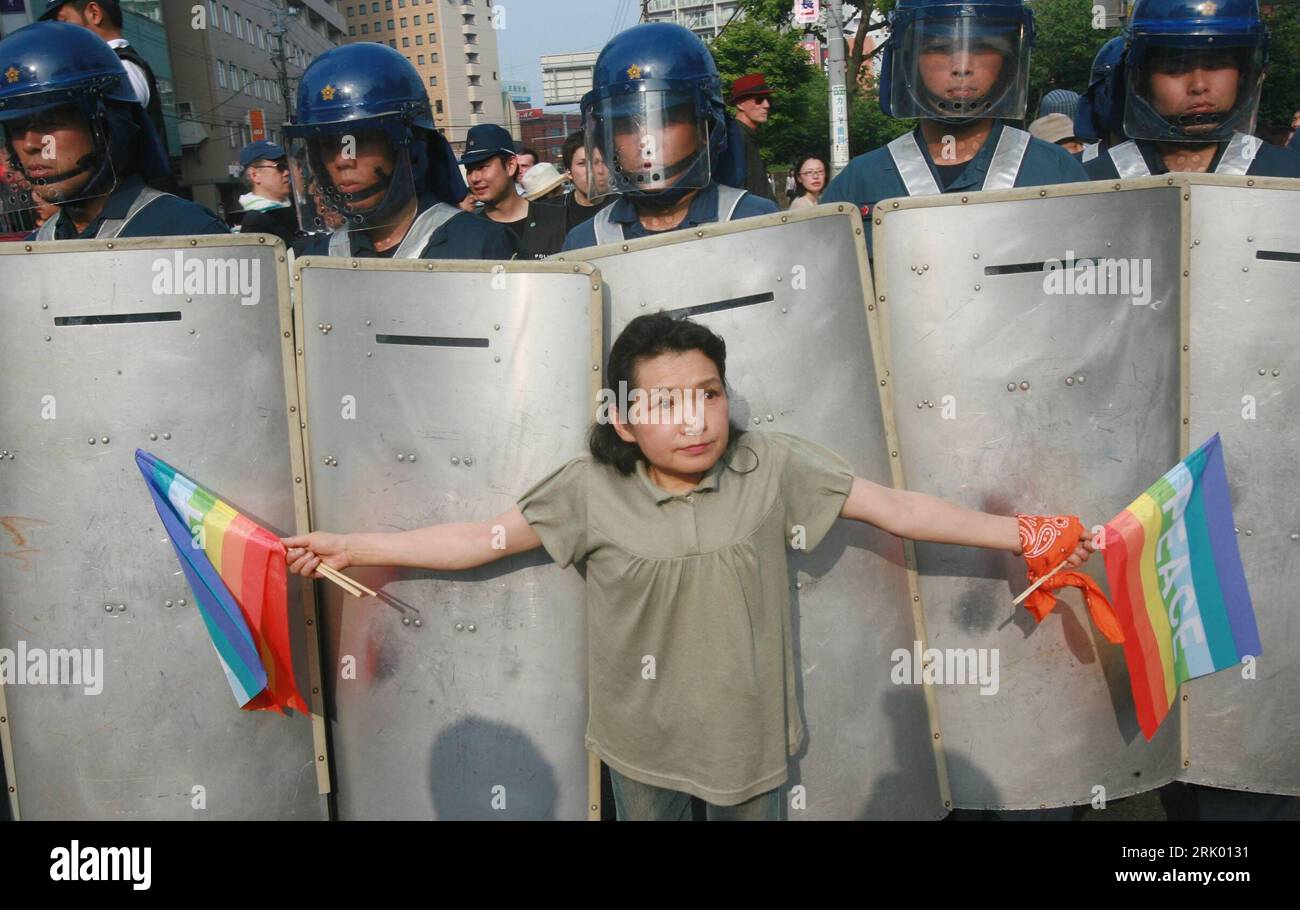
pixel 236 569
pixel 1177 583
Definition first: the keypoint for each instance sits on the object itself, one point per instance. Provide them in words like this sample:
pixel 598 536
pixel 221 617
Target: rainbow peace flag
pixel 1177 583
pixel 236 569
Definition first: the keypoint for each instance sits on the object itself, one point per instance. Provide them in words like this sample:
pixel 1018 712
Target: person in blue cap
pixel 962 69
pixel 490 167
pixel 76 136
pixel 1099 117
pixel 267 207
pixel 656 121
pixel 1192 75
pixel 372 176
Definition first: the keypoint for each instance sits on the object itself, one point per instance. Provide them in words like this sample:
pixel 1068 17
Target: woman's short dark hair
pixel 800 189
pixel 650 336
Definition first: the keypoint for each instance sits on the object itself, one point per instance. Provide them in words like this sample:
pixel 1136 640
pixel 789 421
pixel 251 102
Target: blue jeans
pixel 640 802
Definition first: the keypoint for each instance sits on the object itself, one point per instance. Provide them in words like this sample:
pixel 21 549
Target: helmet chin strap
pixel 692 167
pixel 396 195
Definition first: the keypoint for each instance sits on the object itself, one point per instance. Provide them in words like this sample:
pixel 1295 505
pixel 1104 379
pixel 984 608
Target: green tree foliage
pixel 1066 46
pixel 1281 97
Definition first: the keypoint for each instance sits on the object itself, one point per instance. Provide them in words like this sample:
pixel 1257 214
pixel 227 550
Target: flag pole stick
pixel 351 585
pixel 1034 587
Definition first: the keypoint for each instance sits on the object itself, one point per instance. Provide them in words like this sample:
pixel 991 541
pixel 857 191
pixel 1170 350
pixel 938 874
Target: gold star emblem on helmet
pixel 634 72
pixel 1208 8
pixel 327 93
pixel 12 74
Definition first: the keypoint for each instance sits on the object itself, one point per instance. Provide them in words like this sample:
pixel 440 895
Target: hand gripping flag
pixel 1179 588
pixel 236 570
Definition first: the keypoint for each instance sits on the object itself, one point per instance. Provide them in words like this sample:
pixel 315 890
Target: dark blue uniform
pixel 874 176
pixel 462 237
pixel 166 216
pixel 703 210
pixel 1269 161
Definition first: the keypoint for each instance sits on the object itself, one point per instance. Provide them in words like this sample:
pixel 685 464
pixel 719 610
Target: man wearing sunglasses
pixel 752 100
pixel 267 207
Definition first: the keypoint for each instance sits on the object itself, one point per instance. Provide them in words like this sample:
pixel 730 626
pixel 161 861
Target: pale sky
pixel 537 27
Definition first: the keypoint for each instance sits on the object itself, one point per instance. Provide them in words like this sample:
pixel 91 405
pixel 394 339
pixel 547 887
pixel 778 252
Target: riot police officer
pixel 77 137
pixel 962 69
pixel 655 116
pixel 372 175
pixel 1100 115
pixel 1192 76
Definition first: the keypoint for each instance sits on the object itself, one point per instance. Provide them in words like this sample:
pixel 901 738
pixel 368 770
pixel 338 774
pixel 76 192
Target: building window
pixel 433 37
pixel 476 107
pixel 230 132
pixel 420 58
pixel 471 38
pixel 239 26
pixel 234 77
pixel 374 7
pixel 419 39
pixel 437 105
pixel 401 4
pixel 469 19
pixel 352 30
pixel 365 29
pixel 261 38
pixel 257 85
pixel 406 42
pixel 388 4
pixel 225 17
pixel 433 80
pixel 417 21
pixel 221 74
pixel 402 22
pixel 471 58
pixel 350 10
pixel 212 13
pixel 433 58
pixel 391 28
pixel 475 80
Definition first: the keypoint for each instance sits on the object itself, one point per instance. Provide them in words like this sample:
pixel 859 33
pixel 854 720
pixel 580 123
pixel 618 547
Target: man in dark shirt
pixel 266 205
pixel 752 100
pixel 490 168
pixel 578 206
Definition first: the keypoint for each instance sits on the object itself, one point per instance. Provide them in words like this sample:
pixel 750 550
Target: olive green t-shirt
pixel 690 664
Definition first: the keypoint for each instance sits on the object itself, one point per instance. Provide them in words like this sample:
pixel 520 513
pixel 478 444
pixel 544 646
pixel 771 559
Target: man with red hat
pixel 752 100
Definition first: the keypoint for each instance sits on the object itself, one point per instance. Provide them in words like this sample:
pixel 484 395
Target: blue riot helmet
pixel 955 62
pixel 655 121
pixel 71 123
pixel 1101 109
pixel 363 142
pixel 1193 69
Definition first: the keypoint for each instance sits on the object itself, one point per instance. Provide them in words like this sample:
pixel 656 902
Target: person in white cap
pixel 1057 129
pixel 544 183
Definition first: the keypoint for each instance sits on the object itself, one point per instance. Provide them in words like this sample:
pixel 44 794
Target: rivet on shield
pixel 1245 268
pixel 168 604
pixel 418 624
pixel 401 456
pixel 292 408
pixel 45 306
pixel 473 628
pixel 1275 372
pixel 756 421
pixel 406 620
pixel 963 199
pixel 189 299
pixel 770 418
pixel 454 459
pixel 974 255
pixel 47 337
pixel 167 435
pixel 496 359
pixel 784 219
pixel 1196 243
pixel 784 310
pixel 467 459
pixel 1081 378
pixel 496 326
pixel 699 233
pixel 1250 238
pixel 411 458
pixel 1262 371
pixel 110 245
pixel 1069 380
pixel 799 585
pixel 367 322
pixel 1011 386
pixel 108 608
pixel 460 627
pixel 104 440
pixel 91 440
pixel 778 277
pixel 977 287
pixel 191 331
pixel 928 403
pixel 181 602
pixel 1236 530
pixel 1024 386
pixel 1295 536
pixel 1249 532
pixel 121 608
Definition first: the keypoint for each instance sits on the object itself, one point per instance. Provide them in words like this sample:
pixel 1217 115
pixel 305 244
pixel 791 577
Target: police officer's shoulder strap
pixel 1237 157
pixel 1004 166
pixel 912 166
pixel 114 226
pixel 606 230
pixel 728 198
pixel 1128 160
pixel 424 227
pixel 1091 151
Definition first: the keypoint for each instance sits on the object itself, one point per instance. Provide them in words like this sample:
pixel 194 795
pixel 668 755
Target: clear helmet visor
pixel 960 69
pixel 350 176
pixel 644 142
pixel 1193 94
pixel 53 155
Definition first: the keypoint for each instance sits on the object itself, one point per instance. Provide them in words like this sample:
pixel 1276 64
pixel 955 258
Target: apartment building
pixel 704 17
pixel 451 43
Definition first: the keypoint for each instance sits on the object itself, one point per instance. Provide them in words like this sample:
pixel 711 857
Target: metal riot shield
pixel 791 295
pixel 177 346
pixel 439 392
pixel 1244 724
pixel 1034 341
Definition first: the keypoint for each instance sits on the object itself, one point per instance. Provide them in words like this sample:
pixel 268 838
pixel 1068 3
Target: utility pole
pixel 839 91
pixel 280 16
